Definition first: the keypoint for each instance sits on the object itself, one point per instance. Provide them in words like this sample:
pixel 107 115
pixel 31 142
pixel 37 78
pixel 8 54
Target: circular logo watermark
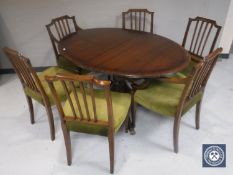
pixel 214 156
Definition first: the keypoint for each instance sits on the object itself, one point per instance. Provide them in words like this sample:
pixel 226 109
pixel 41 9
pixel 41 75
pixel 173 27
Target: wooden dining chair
pixel 91 109
pixel 175 96
pixel 200 39
pixel 138 19
pixel 34 85
pixel 59 29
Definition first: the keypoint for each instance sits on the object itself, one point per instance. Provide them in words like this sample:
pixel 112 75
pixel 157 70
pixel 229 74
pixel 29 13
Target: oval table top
pixel 124 53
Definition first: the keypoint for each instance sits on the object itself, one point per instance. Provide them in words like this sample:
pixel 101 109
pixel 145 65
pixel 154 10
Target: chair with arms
pixel 34 85
pixel 89 110
pixel 136 19
pixel 59 29
pixel 175 96
pixel 200 39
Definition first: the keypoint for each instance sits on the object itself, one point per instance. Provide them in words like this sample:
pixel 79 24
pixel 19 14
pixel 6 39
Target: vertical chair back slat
pixel 93 102
pixel 140 21
pixel 26 74
pixel 68 26
pixel 135 19
pixel 144 21
pixel 206 39
pixel 194 35
pixel 76 100
pixel 84 98
pixel 61 29
pixel 136 22
pixel 64 27
pixel 68 97
pixel 57 101
pixel 202 37
pixel 131 21
pixel 58 31
pixel 197 36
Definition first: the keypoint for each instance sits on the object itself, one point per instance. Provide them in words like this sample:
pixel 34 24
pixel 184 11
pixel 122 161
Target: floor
pixel 26 149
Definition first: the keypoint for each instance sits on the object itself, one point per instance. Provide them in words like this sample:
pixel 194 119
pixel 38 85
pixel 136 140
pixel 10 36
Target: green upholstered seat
pixel 163 98
pixel 51 72
pixel 188 69
pixel 68 65
pixel 194 60
pixel 120 105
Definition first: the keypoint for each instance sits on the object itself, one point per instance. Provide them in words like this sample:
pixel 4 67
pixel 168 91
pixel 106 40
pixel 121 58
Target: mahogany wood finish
pixel 200 36
pixel 137 19
pixel 124 53
pixel 60 28
pixel 29 79
pixel 194 84
pixel 86 83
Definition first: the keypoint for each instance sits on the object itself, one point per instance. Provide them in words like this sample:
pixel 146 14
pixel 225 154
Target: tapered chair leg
pixel 176 129
pixel 50 119
pixel 111 150
pixel 31 110
pixel 197 118
pixel 66 135
pixel 127 121
pixel 133 114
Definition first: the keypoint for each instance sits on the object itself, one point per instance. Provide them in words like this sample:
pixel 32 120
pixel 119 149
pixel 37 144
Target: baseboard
pixel 224 55
pixel 12 71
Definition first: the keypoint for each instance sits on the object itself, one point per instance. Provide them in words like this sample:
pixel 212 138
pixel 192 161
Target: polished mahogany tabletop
pixel 124 53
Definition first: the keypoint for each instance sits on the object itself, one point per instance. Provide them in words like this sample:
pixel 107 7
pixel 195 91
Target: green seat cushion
pixel 194 60
pixel 163 98
pixel 58 86
pixel 51 71
pixel 68 65
pixel 186 71
pixel 175 75
pixel 120 105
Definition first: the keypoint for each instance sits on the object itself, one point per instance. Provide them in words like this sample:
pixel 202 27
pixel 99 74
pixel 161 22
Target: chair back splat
pixel 60 28
pixel 24 70
pixel 85 113
pixel 137 19
pixel 201 36
pixel 200 75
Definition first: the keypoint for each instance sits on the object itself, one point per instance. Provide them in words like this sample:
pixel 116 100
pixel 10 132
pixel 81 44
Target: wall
pixel 227 35
pixel 22 22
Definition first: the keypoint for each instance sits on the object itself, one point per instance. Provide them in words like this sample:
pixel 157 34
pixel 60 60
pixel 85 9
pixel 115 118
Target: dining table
pixel 128 54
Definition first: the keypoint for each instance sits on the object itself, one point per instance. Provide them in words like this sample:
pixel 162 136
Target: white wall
pixel 227 35
pixel 22 22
